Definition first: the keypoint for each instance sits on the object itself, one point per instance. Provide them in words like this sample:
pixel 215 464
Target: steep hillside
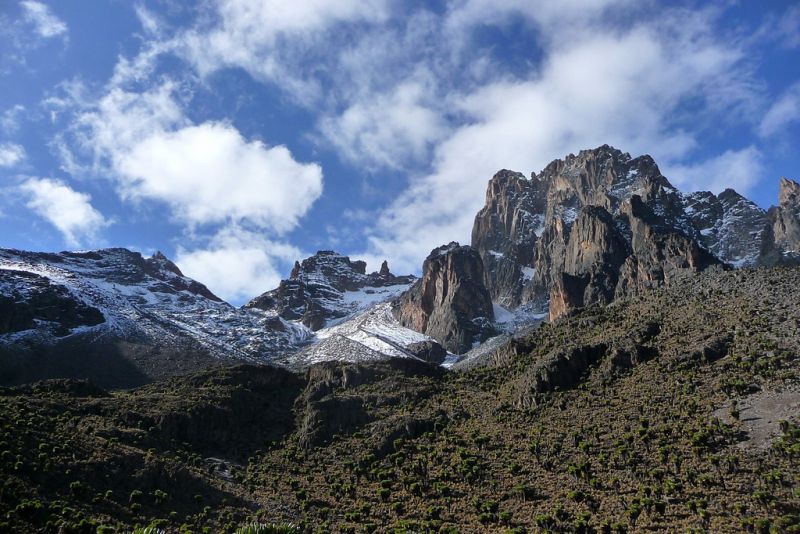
pixel 672 410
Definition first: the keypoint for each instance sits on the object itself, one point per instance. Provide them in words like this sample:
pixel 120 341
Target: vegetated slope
pixel 673 410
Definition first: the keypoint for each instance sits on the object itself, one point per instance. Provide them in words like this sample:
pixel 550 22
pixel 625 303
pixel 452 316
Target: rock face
pixel 783 242
pixel 34 299
pixel 328 286
pixel 731 227
pixel 593 227
pixel 505 233
pixel 600 264
pixel 450 302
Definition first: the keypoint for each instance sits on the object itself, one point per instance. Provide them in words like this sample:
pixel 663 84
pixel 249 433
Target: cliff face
pixel 782 244
pixel 450 302
pixel 592 227
pixel 506 231
pixel 607 259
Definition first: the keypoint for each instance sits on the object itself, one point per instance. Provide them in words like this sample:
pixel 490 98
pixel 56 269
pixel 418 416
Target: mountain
pixel 597 226
pixel 589 229
pixel 783 242
pixel 123 320
pixel 672 411
pixel 328 286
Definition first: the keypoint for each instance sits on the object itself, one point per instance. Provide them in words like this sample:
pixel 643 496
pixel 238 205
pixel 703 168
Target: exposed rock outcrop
pixel 514 207
pixel 560 369
pixel 35 300
pixel 593 227
pixel 607 259
pixel 450 302
pixel 314 292
pixel 731 227
pixel 336 399
pixel 430 351
pixel 782 244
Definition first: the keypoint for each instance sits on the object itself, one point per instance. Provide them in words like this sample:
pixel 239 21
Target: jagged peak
pixel 165 262
pixel 506 174
pixel 789 191
pixel 445 249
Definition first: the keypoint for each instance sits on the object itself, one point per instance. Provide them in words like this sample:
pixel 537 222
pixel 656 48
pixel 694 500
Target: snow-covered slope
pixel 372 334
pixel 138 299
pixel 73 306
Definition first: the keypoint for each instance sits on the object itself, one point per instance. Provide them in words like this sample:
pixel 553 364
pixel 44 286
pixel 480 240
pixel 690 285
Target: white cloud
pixel 9 119
pixel 270 39
pixel 619 87
pixel 45 23
pixel 70 211
pixel 206 173
pixel 210 174
pixel 388 130
pixel 122 119
pixel 237 265
pixel 737 169
pixel 11 154
pixel 783 112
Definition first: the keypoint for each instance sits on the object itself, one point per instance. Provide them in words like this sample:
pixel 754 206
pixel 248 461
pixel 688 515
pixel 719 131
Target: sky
pixel 237 136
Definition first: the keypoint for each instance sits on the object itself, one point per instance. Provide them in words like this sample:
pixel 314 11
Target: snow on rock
pixel 142 299
pixel 374 333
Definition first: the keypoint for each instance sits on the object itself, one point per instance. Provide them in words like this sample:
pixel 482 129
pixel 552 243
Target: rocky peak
pixel 162 268
pixel 524 265
pixel 450 302
pixel 514 207
pixel 329 286
pixel 160 261
pixel 729 225
pixel 782 244
pixel 332 268
pixel 789 193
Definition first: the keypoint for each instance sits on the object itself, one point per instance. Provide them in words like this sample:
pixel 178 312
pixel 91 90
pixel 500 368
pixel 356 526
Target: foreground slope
pixel 674 410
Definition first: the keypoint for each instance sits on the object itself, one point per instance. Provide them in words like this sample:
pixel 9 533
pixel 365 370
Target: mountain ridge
pixel 587 229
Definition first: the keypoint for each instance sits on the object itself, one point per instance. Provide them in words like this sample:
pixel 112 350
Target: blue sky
pixel 239 135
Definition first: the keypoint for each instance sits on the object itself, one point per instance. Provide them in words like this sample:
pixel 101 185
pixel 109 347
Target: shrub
pixel 271 528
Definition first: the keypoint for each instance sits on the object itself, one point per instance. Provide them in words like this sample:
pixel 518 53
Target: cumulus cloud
pixel 207 173
pixel 783 112
pixel 70 211
pixel 45 23
pixel 237 264
pixel 11 154
pixel 210 174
